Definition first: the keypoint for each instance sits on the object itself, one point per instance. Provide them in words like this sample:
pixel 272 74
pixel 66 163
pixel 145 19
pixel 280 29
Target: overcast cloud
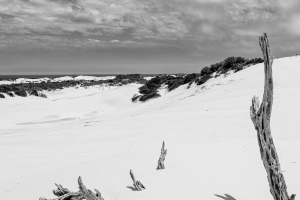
pixel 203 31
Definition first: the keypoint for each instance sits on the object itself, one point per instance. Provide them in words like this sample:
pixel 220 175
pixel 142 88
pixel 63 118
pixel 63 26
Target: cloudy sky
pixel 140 36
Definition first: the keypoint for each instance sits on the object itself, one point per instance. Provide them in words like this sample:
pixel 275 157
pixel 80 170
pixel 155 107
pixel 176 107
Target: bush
pixel 135 97
pixel 2 96
pixel 21 93
pixel 190 77
pixel 42 95
pixel 228 63
pixel 144 90
pixel 10 94
pixel 154 83
pixel 205 71
pixel 254 61
pixel 203 79
pixel 239 68
pixel 34 93
pixel 215 67
pixel 151 86
pixel 174 84
pixel 5 88
pixel 129 76
pixel 149 89
pixel 149 96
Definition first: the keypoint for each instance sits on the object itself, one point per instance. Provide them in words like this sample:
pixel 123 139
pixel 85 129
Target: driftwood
pixel 83 193
pixel 261 119
pixel 137 184
pixel 162 156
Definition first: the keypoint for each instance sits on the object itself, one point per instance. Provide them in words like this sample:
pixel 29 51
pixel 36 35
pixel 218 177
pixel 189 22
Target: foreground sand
pixel 101 135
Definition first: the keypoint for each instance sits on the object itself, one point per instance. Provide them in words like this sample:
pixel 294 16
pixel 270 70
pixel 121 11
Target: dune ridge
pixel 207 128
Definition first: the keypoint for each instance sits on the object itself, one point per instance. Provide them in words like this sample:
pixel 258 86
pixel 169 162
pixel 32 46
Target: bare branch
pixel 137 184
pixel 162 156
pixel 83 193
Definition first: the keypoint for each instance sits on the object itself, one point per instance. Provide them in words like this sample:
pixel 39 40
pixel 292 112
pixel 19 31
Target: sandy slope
pixel 59 79
pixel 101 135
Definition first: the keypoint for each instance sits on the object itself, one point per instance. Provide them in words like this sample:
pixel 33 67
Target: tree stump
pixel 83 193
pixel 137 184
pixel 162 156
pixel 260 117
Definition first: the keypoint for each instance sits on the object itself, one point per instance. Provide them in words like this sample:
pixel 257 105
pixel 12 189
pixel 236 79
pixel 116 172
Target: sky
pixel 140 36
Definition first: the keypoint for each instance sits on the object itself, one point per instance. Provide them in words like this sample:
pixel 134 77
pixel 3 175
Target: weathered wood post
pixel 261 119
pixel 162 156
pixel 137 184
pixel 83 193
pixel 88 194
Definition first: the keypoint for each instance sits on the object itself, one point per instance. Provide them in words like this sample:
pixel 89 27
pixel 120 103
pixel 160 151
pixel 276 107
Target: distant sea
pixel 6 77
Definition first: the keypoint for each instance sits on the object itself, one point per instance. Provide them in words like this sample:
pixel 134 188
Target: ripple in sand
pixel 49 121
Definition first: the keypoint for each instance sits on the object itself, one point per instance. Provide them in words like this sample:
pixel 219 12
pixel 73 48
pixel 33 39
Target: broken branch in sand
pixel 137 184
pixel 161 160
pixel 261 119
pixel 83 193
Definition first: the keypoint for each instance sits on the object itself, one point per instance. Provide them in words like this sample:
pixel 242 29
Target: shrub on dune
pixel 149 96
pixel 172 85
pixel 203 79
pixel 2 96
pixel 34 93
pixel 190 77
pixel 5 88
pixel 144 90
pixel 205 71
pixel 10 94
pixel 150 88
pixel 216 67
pixel 154 83
pixel 248 63
pixel 232 63
pixel 135 98
pixel 42 95
pixel 21 93
pixel 37 93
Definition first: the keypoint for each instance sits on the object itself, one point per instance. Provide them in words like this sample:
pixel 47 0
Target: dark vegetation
pixel 35 89
pixel 150 89
pixel 146 97
pixel 135 98
pixel 10 94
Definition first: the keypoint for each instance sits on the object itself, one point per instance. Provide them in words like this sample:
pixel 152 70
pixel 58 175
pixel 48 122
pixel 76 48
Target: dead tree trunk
pixel 83 193
pixel 161 160
pixel 137 184
pixel 261 119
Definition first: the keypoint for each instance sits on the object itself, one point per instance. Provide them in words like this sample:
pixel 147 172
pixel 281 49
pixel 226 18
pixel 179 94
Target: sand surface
pixel 59 79
pixel 99 135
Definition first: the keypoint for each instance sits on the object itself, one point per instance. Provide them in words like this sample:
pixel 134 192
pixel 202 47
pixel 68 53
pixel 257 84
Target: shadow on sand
pixel 132 188
pixel 226 197
pixel 49 121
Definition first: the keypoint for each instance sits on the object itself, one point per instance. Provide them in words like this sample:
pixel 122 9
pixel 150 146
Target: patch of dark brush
pixel 150 89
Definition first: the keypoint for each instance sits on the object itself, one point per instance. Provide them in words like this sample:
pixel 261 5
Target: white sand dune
pixel 213 152
pixel 59 79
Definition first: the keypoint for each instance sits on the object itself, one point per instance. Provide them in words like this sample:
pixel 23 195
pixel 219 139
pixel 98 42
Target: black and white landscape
pixel 173 122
